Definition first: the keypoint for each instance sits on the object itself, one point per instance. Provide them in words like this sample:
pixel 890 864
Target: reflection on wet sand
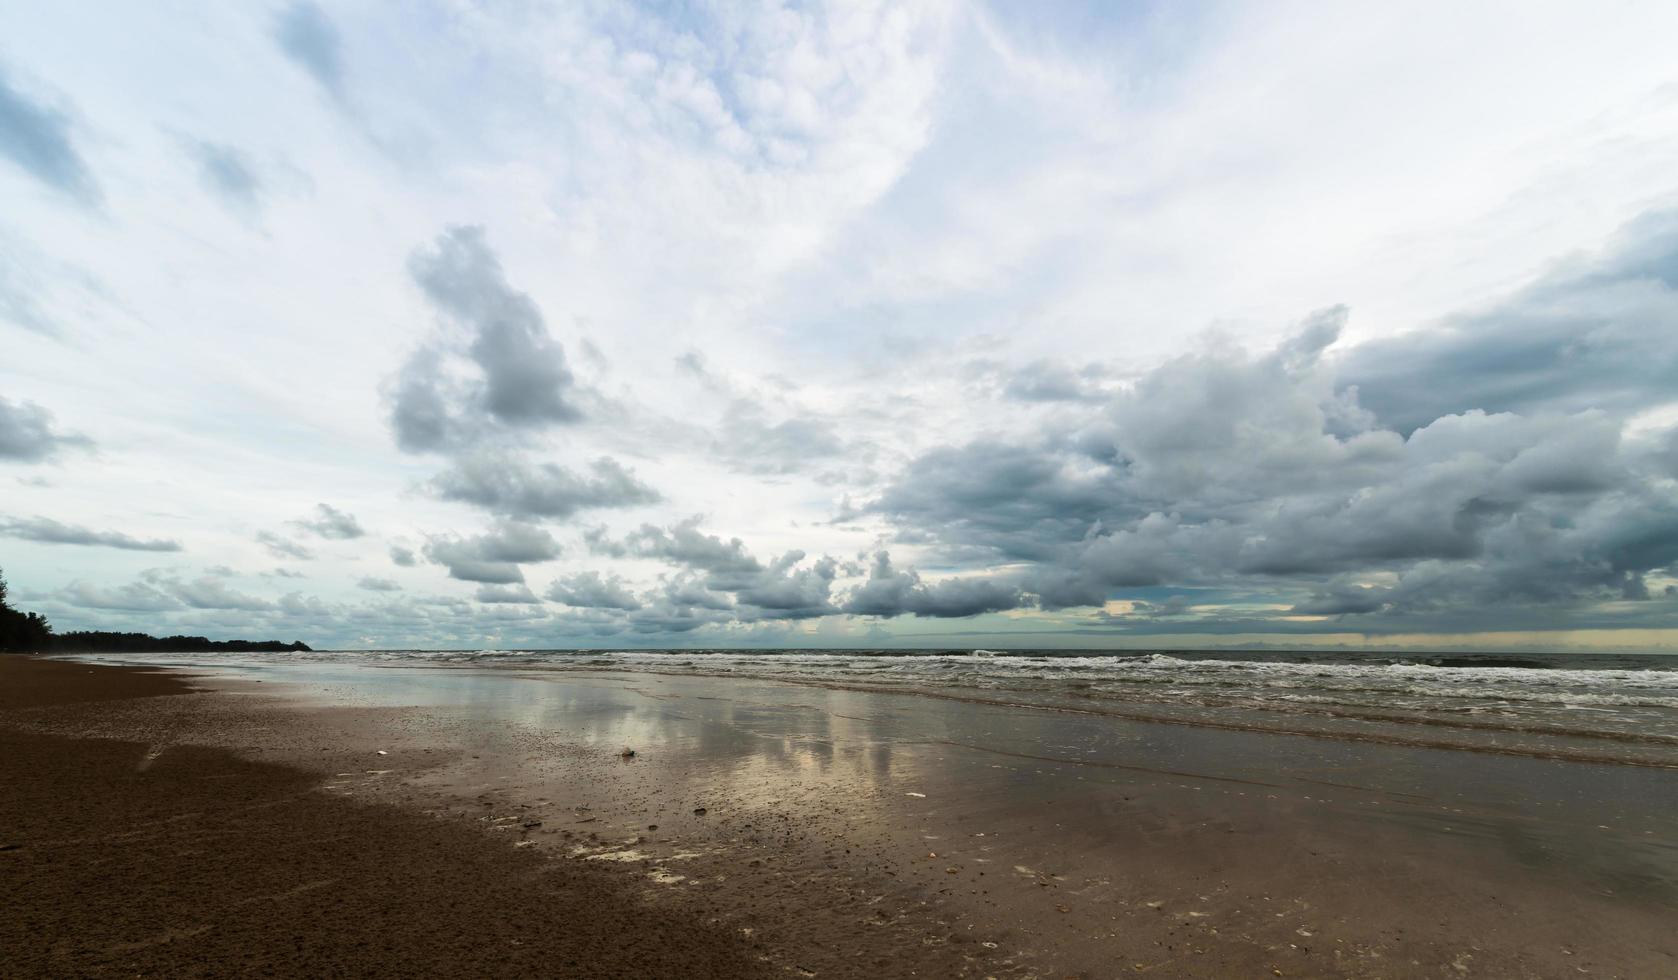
pixel 1071 840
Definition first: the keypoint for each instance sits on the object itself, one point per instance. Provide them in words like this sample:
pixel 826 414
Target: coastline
pixel 844 833
pixel 142 857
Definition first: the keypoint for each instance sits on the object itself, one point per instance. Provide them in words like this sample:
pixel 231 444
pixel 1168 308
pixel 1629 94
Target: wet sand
pixel 843 833
pixel 129 858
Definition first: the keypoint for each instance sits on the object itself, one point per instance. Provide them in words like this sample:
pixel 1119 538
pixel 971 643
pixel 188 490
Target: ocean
pixel 1614 708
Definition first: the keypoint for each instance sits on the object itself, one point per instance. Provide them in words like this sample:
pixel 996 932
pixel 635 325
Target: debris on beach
pixel 699 811
pixel 383 752
pixel 919 796
pixel 627 753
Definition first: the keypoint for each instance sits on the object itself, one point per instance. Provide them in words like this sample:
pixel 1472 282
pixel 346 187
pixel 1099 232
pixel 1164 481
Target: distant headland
pixel 94 641
pixel 22 632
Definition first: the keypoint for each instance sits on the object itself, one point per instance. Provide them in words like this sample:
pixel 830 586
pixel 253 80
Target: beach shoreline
pixel 771 827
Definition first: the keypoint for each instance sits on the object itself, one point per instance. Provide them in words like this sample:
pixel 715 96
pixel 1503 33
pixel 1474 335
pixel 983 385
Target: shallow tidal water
pixel 1379 837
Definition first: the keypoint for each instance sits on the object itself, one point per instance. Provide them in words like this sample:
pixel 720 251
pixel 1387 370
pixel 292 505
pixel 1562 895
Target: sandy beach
pixel 398 821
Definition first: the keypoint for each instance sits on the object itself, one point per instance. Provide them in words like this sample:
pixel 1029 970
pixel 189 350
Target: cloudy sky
pixel 1140 324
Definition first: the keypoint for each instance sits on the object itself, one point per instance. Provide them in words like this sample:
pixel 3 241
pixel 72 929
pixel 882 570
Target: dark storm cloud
pixel 1236 472
pixel 27 434
pixel 588 590
pixel 226 171
pixel 36 137
pixel 1341 600
pixel 785 591
pixel 674 620
pixel 309 38
pixel 1023 502
pixel 494 558
pixel 523 380
pixel 890 592
pixel 509 485
pixel 283 547
pixel 1596 333
pixel 1663 455
pixel 48 531
pixel 330 522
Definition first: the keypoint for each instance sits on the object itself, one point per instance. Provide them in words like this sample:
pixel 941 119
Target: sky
pixel 1134 325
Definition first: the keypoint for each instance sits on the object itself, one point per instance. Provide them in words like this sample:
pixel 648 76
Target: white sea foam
pixel 1628 699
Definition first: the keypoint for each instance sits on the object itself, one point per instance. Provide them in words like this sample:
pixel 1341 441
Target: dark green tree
pixel 21 632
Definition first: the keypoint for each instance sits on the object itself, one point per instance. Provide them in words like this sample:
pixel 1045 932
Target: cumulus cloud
pixel 506 595
pixel 404 557
pixel 786 591
pixel 1053 381
pixel 373 583
pixel 210 592
pixel 717 576
pixel 1599 332
pixel 494 558
pixel 1225 490
pixel 509 485
pixel 890 592
pixel 283 547
pixel 48 531
pixel 750 442
pixel 421 399
pixel 1231 471
pixel 1016 501
pixel 309 38
pixel 134 597
pixel 37 137
pixel 27 434
pixel 589 590
pixel 330 522
pixel 727 564
pixel 519 378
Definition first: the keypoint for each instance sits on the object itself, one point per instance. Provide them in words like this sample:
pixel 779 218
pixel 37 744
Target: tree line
pixel 28 632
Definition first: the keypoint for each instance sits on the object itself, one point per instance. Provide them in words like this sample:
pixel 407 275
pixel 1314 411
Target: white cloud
pixel 888 230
